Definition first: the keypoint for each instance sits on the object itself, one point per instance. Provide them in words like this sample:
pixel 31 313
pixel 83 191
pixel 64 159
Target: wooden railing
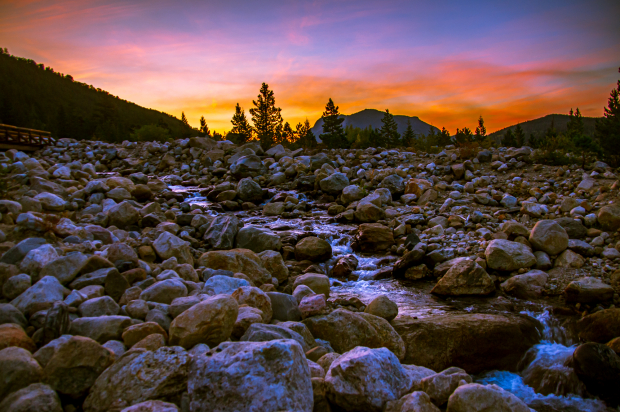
pixel 12 137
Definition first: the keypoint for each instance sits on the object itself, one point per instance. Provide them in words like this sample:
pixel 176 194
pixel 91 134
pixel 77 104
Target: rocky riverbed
pixel 202 276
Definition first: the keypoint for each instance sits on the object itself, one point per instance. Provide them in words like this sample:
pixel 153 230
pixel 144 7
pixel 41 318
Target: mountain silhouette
pixel 372 117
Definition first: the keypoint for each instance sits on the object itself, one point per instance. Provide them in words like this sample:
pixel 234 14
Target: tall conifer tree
pixel 333 134
pixel 267 118
pixel 389 130
pixel 241 131
pixel 608 128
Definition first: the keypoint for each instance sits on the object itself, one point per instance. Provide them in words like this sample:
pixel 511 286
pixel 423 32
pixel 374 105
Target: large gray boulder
pixel 36 397
pixel 138 376
pixel 474 397
pixel 549 236
pixel 256 376
pixel 165 291
pixel 249 191
pixel 39 296
pixel 348 385
pixel 18 369
pixel 508 256
pixel 222 231
pixel 334 184
pixel 465 278
pixel 123 215
pixel 168 245
pixel 257 239
pixel 102 328
pixel 248 166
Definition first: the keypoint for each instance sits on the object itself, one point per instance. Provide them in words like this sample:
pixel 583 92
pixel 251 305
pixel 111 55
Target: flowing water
pixel 545 382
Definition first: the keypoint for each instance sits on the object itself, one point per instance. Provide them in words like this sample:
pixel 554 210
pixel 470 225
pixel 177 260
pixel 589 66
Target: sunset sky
pixel 447 62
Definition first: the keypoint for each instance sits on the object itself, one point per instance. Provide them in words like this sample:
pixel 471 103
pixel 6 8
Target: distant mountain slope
pixel 36 97
pixel 539 126
pixel 372 117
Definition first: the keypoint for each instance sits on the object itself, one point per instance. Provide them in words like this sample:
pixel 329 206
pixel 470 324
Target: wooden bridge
pixel 20 138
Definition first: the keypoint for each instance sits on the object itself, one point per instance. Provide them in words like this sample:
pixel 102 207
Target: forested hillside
pixel 37 97
pixel 539 127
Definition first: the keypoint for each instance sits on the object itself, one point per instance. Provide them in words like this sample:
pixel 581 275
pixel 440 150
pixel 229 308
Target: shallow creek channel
pixel 545 381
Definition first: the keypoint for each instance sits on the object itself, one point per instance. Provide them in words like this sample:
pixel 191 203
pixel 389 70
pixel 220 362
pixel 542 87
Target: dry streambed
pixel 201 276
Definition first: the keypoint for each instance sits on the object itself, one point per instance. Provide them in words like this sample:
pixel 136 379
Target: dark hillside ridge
pixel 539 126
pixel 37 97
pixel 372 117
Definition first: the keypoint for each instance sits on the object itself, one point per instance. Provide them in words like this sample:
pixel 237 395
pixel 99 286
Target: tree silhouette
pixel 184 119
pixel 204 129
pixel 509 139
pixel 608 128
pixel 583 144
pixel 519 136
pixel 333 134
pixel 266 117
pixel 481 131
pixel 408 136
pixel 389 130
pixel 241 131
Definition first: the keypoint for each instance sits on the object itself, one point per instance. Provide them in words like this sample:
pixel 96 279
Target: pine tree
pixel 375 138
pixel 443 138
pixel 184 119
pixel 204 129
pixel 481 131
pixel 509 139
pixel 389 130
pixel 288 135
pixel 241 131
pixel 608 129
pixel 267 118
pixel 582 144
pixel 463 136
pixel 333 134
pixel 409 135
pixel 519 136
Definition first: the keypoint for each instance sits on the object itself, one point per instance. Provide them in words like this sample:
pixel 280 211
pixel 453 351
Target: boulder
pixel 394 183
pixel 34 261
pixel 259 332
pixel 101 306
pixel 18 369
pixel 10 314
pixel 273 262
pixel 315 281
pixel 35 397
pixel 102 328
pixel 135 333
pixel 549 236
pixel 417 186
pixel 382 307
pixel 65 268
pixel 345 330
pixel 75 366
pixel 249 191
pixel 313 248
pixel 474 397
pixel 257 239
pixel 609 217
pixel 508 256
pixel 219 284
pixel 210 321
pixel 474 342
pixel 168 245
pixel 368 213
pixel 256 298
pixel 237 261
pixel 414 402
pixel 573 227
pixel 284 307
pixel 245 318
pixel 222 231
pixel 13 335
pixel 526 286
pixel 569 259
pixel 345 266
pixel 39 296
pixel 441 385
pixel 164 291
pixel 334 184
pixel 15 254
pixel 598 366
pixel 601 326
pixel 138 376
pixel 389 380
pixel 352 193
pixel 123 215
pixel 588 290
pixel 273 209
pixel 248 166
pixel 372 238
pixel 257 376
pixel 465 278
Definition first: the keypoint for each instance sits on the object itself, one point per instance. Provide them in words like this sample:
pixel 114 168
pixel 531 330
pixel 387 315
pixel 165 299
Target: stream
pixel 545 382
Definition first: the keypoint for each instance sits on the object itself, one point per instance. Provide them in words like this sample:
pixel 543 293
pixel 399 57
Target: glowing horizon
pixel 446 62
